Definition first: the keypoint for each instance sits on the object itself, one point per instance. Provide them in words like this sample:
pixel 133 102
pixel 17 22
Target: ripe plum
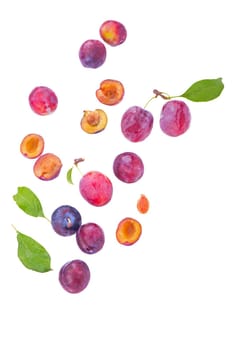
pixel 96 188
pixel 74 276
pixel 92 53
pixel 43 100
pixel 136 123
pixel 175 118
pixel 90 238
pixel 128 167
pixel 66 220
pixel 113 32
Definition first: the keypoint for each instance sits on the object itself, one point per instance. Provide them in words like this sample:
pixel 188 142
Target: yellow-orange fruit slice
pixel 32 145
pixel 111 92
pixel 128 231
pixel 94 121
pixel 47 166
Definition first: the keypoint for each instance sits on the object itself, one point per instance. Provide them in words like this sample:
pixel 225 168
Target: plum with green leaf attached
pixel 175 115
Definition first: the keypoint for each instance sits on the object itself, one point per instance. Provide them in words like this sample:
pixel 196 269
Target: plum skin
pixel 113 32
pixel 128 167
pixel 74 276
pixel 92 53
pixel 136 124
pixel 43 100
pixel 90 238
pixel 66 220
pixel 175 118
pixel 96 188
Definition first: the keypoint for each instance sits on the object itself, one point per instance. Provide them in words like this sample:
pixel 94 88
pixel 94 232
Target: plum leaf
pixel 28 202
pixel 69 176
pixel 204 90
pixel 32 254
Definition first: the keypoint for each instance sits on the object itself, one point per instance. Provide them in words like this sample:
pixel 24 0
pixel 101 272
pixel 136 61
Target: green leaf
pixel 204 90
pixel 69 176
pixel 32 254
pixel 28 202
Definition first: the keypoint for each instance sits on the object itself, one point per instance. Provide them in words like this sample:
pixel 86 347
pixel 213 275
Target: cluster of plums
pixel 96 188
pixel 66 220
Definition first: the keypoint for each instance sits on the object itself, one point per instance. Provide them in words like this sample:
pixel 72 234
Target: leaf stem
pixel 14 228
pixel 45 217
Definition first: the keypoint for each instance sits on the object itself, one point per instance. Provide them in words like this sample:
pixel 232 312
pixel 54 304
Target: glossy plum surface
pixel 43 100
pixel 66 220
pixel 136 123
pixel 175 118
pixel 92 53
pixel 74 276
pixel 113 32
pixel 90 238
pixel 128 167
pixel 96 188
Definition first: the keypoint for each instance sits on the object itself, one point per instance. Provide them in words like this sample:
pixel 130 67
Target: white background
pixel 182 286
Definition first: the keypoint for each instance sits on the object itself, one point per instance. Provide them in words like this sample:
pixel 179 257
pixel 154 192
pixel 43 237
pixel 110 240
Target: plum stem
pixel 157 93
pixel 152 98
pixel 78 160
pixel 162 94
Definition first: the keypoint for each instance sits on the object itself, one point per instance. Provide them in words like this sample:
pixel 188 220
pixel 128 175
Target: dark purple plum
pixel 74 276
pixel 136 123
pixel 92 53
pixel 66 220
pixel 128 167
pixel 90 238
